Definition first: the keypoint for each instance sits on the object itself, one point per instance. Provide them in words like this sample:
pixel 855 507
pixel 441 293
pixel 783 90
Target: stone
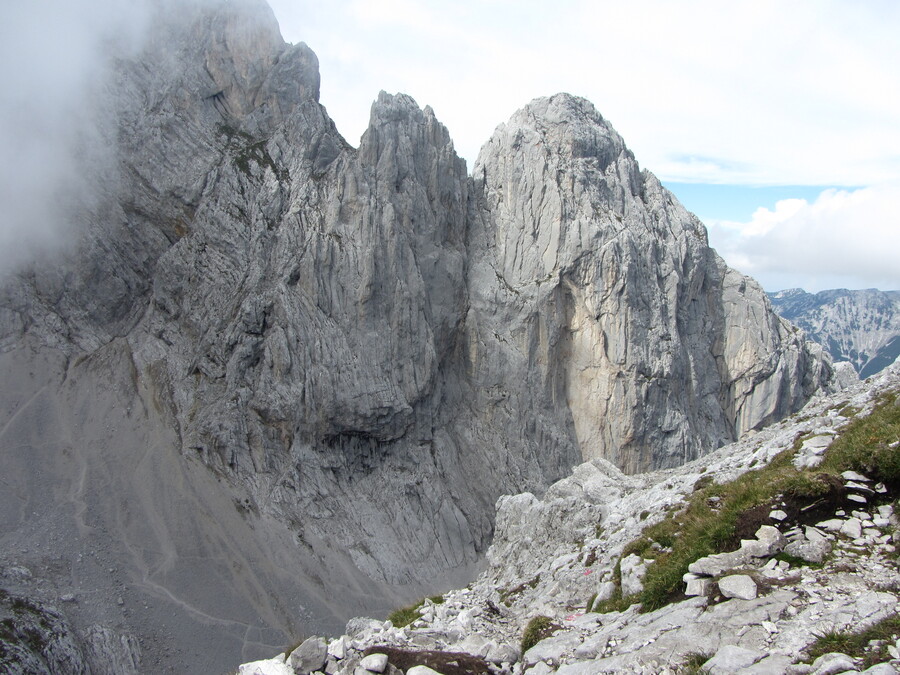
pixel 881 669
pixel 362 346
pixel 738 586
pixel 338 647
pixel 855 477
pixel 696 584
pixel 833 663
pixel 374 663
pixel 833 524
pixel 309 656
pixel 778 515
pixel 606 590
pixel 732 659
pixel 771 537
pixel 421 670
pixel 633 570
pixel 860 499
pixel 503 653
pixel 813 551
pixel 265 667
pixel 852 528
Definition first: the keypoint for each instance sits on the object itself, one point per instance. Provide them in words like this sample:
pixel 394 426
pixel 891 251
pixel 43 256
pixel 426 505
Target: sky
pixel 776 122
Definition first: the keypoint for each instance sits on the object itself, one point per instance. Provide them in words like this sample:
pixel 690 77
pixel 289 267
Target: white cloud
pixel 844 239
pixel 765 92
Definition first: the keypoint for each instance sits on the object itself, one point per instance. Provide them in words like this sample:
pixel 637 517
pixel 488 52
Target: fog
pixel 55 61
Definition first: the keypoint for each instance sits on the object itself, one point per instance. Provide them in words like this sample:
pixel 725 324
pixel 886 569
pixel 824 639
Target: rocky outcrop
pixel 331 361
pixel 755 612
pixel 860 327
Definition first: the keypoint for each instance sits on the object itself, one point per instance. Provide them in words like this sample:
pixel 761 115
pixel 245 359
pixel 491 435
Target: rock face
pixel 862 327
pixel 280 365
pixel 756 613
pixel 654 349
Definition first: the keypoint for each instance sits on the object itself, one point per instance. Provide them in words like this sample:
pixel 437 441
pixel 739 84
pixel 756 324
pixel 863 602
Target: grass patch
pixel 716 517
pixel 693 663
pixel 870 444
pixel 539 628
pixel 406 615
pixel 856 643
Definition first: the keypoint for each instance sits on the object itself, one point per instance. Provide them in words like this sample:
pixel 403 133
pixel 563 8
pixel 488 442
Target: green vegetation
pixel 856 643
pixel 717 517
pixel 406 615
pixel 693 663
pixel 538 628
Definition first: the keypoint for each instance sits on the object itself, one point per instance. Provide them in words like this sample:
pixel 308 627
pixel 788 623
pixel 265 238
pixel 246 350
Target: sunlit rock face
pixel 275 365
pixel 657 350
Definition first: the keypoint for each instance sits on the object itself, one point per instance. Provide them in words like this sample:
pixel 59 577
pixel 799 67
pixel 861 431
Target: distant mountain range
pixel 862 327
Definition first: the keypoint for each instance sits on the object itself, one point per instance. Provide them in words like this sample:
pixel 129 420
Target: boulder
pixel 309 656
pixel 738 586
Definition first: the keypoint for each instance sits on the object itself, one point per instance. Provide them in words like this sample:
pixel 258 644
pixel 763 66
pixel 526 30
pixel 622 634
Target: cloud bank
pixel 844 239
pixel 54 62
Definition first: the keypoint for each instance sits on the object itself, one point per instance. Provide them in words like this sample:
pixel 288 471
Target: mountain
pixel 272 365
pixel 862 327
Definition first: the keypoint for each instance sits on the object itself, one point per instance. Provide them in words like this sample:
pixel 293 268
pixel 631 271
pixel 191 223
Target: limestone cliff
pixel 275 364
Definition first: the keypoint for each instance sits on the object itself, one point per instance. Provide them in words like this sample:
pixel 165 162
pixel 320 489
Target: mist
pixel 55 65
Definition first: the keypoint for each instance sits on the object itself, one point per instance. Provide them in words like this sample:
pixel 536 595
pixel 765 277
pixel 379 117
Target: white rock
pixel 852 528
pixel 309 656
pixel 265 667
pixel 421 670
pixel 374 663
pixel 738 586
pixel 778 514
pixel 859 499
pixel 833 663
pixel 633 570
pixel 771 537
pixel 697 585
pixel 832 525
pixel 337 648
pixel 857 477
pixel 731 659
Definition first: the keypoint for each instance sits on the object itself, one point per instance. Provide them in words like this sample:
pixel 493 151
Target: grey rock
pixel 309 656
pixel 374 663
pixel 813 551
pixel 881 669
pixel 852 528
pixel 421 670
pixel 732 659
pixel 265 667
pixel 633 569
pixel 738 586
pixel 832 663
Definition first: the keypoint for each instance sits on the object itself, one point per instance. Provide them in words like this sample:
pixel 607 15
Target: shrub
pixel 539 628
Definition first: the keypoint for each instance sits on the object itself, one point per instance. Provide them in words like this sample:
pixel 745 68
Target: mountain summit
pixel 275 365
